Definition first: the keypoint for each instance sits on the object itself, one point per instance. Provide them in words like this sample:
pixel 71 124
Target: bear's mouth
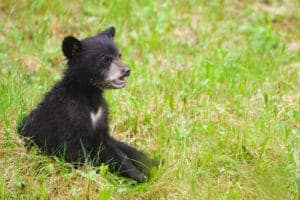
pixel 119 83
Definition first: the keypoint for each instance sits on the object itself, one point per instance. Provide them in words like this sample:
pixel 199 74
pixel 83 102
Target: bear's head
pixel 95 61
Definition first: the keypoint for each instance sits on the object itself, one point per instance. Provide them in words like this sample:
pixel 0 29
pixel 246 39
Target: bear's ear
pixel 71 46
pixel 109 32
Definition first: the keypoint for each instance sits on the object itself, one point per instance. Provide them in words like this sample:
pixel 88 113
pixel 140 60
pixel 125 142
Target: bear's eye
pixel 107 59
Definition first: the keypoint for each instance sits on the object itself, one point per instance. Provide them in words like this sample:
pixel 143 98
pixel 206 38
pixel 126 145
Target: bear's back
pixel 58 120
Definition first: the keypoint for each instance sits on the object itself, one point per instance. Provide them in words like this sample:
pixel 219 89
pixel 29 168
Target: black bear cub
pixel 72 120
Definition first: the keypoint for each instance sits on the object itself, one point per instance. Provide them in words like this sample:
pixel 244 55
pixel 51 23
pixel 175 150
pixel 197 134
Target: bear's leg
pixel 118 161
pixel 140 160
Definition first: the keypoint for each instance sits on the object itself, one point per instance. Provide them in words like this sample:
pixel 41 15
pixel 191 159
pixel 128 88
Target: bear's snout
pixel 126 71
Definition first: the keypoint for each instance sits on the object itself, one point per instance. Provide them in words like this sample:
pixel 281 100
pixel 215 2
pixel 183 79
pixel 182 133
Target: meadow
pixel 214 93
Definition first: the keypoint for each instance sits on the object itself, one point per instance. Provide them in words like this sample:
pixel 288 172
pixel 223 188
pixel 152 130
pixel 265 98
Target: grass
pixel 214 92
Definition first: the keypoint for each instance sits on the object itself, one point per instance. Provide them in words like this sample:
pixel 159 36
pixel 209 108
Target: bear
pixel 72 119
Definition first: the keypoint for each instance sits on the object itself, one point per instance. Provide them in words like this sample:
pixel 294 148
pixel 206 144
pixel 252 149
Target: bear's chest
pixel 97 116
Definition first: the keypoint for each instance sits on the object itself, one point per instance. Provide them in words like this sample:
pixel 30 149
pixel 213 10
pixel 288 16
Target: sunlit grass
pixel 214 93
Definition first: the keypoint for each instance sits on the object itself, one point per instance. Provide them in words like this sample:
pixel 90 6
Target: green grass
pixel 214 92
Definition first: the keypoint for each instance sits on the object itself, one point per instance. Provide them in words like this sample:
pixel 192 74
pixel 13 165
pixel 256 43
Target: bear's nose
pixel 126 71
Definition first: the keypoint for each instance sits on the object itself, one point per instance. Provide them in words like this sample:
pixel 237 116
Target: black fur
pixel 71 46
pixel 61 123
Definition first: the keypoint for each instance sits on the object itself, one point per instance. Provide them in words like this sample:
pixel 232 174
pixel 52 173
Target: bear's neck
pixel 88 94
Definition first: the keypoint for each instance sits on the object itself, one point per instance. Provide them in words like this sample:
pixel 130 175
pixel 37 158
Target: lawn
pixel 214 93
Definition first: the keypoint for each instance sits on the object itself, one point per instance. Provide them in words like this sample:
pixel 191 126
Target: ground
pixel 214 92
